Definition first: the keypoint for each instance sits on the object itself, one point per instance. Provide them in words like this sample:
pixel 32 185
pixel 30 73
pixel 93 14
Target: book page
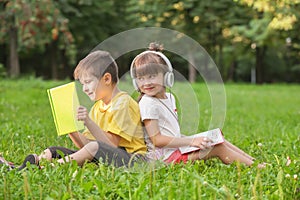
pixel 215 135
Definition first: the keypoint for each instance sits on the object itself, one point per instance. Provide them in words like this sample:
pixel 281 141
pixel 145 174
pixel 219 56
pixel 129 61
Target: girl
pixel 152 73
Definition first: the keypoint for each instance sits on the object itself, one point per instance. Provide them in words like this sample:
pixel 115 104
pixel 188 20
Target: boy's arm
pixel 78 139
pixel 100 135
pixel 96 131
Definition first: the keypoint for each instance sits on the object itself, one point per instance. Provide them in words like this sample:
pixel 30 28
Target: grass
pixel 262 120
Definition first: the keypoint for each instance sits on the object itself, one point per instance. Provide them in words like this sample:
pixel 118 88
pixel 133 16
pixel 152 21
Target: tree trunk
pixel 232 71
pixel 220 65
pixel 259 68
pixel 14 66
pixel 53 60
pixel 192 70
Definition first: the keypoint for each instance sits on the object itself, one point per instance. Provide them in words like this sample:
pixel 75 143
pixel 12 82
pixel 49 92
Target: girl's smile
pixel 152 85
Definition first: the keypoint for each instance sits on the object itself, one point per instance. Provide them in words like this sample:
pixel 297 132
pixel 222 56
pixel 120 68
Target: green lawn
pixel 262 120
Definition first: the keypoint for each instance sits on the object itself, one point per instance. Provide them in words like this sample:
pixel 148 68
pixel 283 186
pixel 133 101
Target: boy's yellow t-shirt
pixel 121 117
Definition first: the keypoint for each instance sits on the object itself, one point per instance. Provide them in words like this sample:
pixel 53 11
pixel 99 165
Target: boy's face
pixel 92 86
pixel 152 84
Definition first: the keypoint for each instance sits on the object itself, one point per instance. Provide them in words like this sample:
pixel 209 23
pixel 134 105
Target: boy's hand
pixel 201 142
pixel 82 114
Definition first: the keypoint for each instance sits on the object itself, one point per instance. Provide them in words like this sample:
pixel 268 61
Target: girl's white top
pixel 154 108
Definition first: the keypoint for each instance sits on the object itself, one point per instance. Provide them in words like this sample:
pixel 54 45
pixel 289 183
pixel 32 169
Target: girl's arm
pixel 97 132
pixel 160 140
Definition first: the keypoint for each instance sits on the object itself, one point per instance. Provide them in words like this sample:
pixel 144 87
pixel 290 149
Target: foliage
pixel 39 23
pixel 228 30
pixel 93 21
pixel 262 120
pixel 240 35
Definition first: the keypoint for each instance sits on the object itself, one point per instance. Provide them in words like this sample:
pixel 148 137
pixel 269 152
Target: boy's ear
pixel 107 78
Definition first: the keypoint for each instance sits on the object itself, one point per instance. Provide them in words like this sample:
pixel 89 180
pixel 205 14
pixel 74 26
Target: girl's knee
pixel 219 148
pixel 218 151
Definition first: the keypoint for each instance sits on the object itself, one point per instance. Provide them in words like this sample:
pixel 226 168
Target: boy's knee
pixel 47 154
pixel 92 147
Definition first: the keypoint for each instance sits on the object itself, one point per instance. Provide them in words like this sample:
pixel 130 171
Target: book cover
pixel 64 103
pixel 215 135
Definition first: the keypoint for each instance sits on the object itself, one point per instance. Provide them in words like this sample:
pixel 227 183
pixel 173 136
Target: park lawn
pixel 262 120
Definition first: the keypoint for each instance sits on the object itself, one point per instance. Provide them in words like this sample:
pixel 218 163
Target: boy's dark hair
pixel 97 63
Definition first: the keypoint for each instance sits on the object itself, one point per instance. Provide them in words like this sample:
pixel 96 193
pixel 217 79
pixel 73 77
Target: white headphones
pixel 168 77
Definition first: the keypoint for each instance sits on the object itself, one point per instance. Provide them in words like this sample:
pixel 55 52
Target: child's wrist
pixel 87 122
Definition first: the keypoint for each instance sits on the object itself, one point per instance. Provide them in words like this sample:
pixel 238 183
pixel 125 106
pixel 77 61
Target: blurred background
pixel 255 41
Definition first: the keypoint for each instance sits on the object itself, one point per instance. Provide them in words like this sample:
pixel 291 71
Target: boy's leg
pixel 49 153
pixel 101 152
pixel 54 152
pixel 114 156
pixel 86 153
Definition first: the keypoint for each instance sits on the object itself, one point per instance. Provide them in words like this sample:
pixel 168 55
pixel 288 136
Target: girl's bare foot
pixel 261 165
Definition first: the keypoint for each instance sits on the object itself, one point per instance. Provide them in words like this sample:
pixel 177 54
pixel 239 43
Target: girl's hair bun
pixel 154 46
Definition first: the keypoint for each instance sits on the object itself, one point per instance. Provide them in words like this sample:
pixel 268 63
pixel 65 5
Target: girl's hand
pixel 83 114
pixel 201 142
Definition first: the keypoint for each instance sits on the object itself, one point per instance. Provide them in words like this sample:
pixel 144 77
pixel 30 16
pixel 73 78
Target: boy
pixel 113 132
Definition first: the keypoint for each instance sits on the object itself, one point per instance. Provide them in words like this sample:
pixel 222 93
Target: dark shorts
pixel 106 154
pixel 58 152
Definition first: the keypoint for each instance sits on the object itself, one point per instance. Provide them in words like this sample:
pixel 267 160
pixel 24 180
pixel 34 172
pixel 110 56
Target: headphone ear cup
pixel 169 79
pixel 135 84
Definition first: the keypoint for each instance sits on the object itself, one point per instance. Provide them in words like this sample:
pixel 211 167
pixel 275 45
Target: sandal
pixel 33 159
pixel 7 163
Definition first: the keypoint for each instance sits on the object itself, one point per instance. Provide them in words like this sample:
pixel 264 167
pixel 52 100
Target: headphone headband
pixel 167 61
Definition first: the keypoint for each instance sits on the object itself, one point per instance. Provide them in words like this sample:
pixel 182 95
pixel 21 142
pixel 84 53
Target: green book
pixel 64 101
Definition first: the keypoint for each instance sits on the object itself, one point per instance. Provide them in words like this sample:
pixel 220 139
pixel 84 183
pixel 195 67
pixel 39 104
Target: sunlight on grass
pixel 262 120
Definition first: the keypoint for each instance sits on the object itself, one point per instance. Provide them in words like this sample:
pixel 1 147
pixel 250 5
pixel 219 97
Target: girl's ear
pixel 107 78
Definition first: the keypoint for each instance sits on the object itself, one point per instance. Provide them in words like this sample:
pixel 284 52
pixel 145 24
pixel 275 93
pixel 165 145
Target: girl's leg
pixel 235 148
pixel 224 153
pixel 227 155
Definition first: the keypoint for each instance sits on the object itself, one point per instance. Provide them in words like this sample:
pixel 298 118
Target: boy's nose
pixel 84 88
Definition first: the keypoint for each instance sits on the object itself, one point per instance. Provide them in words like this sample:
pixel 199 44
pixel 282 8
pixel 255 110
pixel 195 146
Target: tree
pixel 263 29
pixel 29 24
pixel 201 20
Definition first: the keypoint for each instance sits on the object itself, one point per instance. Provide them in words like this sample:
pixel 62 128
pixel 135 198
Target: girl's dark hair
pixel 150 63
pixel 154 46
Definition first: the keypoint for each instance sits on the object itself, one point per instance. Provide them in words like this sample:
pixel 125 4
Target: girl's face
pixel 92 86
pixel 152 85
